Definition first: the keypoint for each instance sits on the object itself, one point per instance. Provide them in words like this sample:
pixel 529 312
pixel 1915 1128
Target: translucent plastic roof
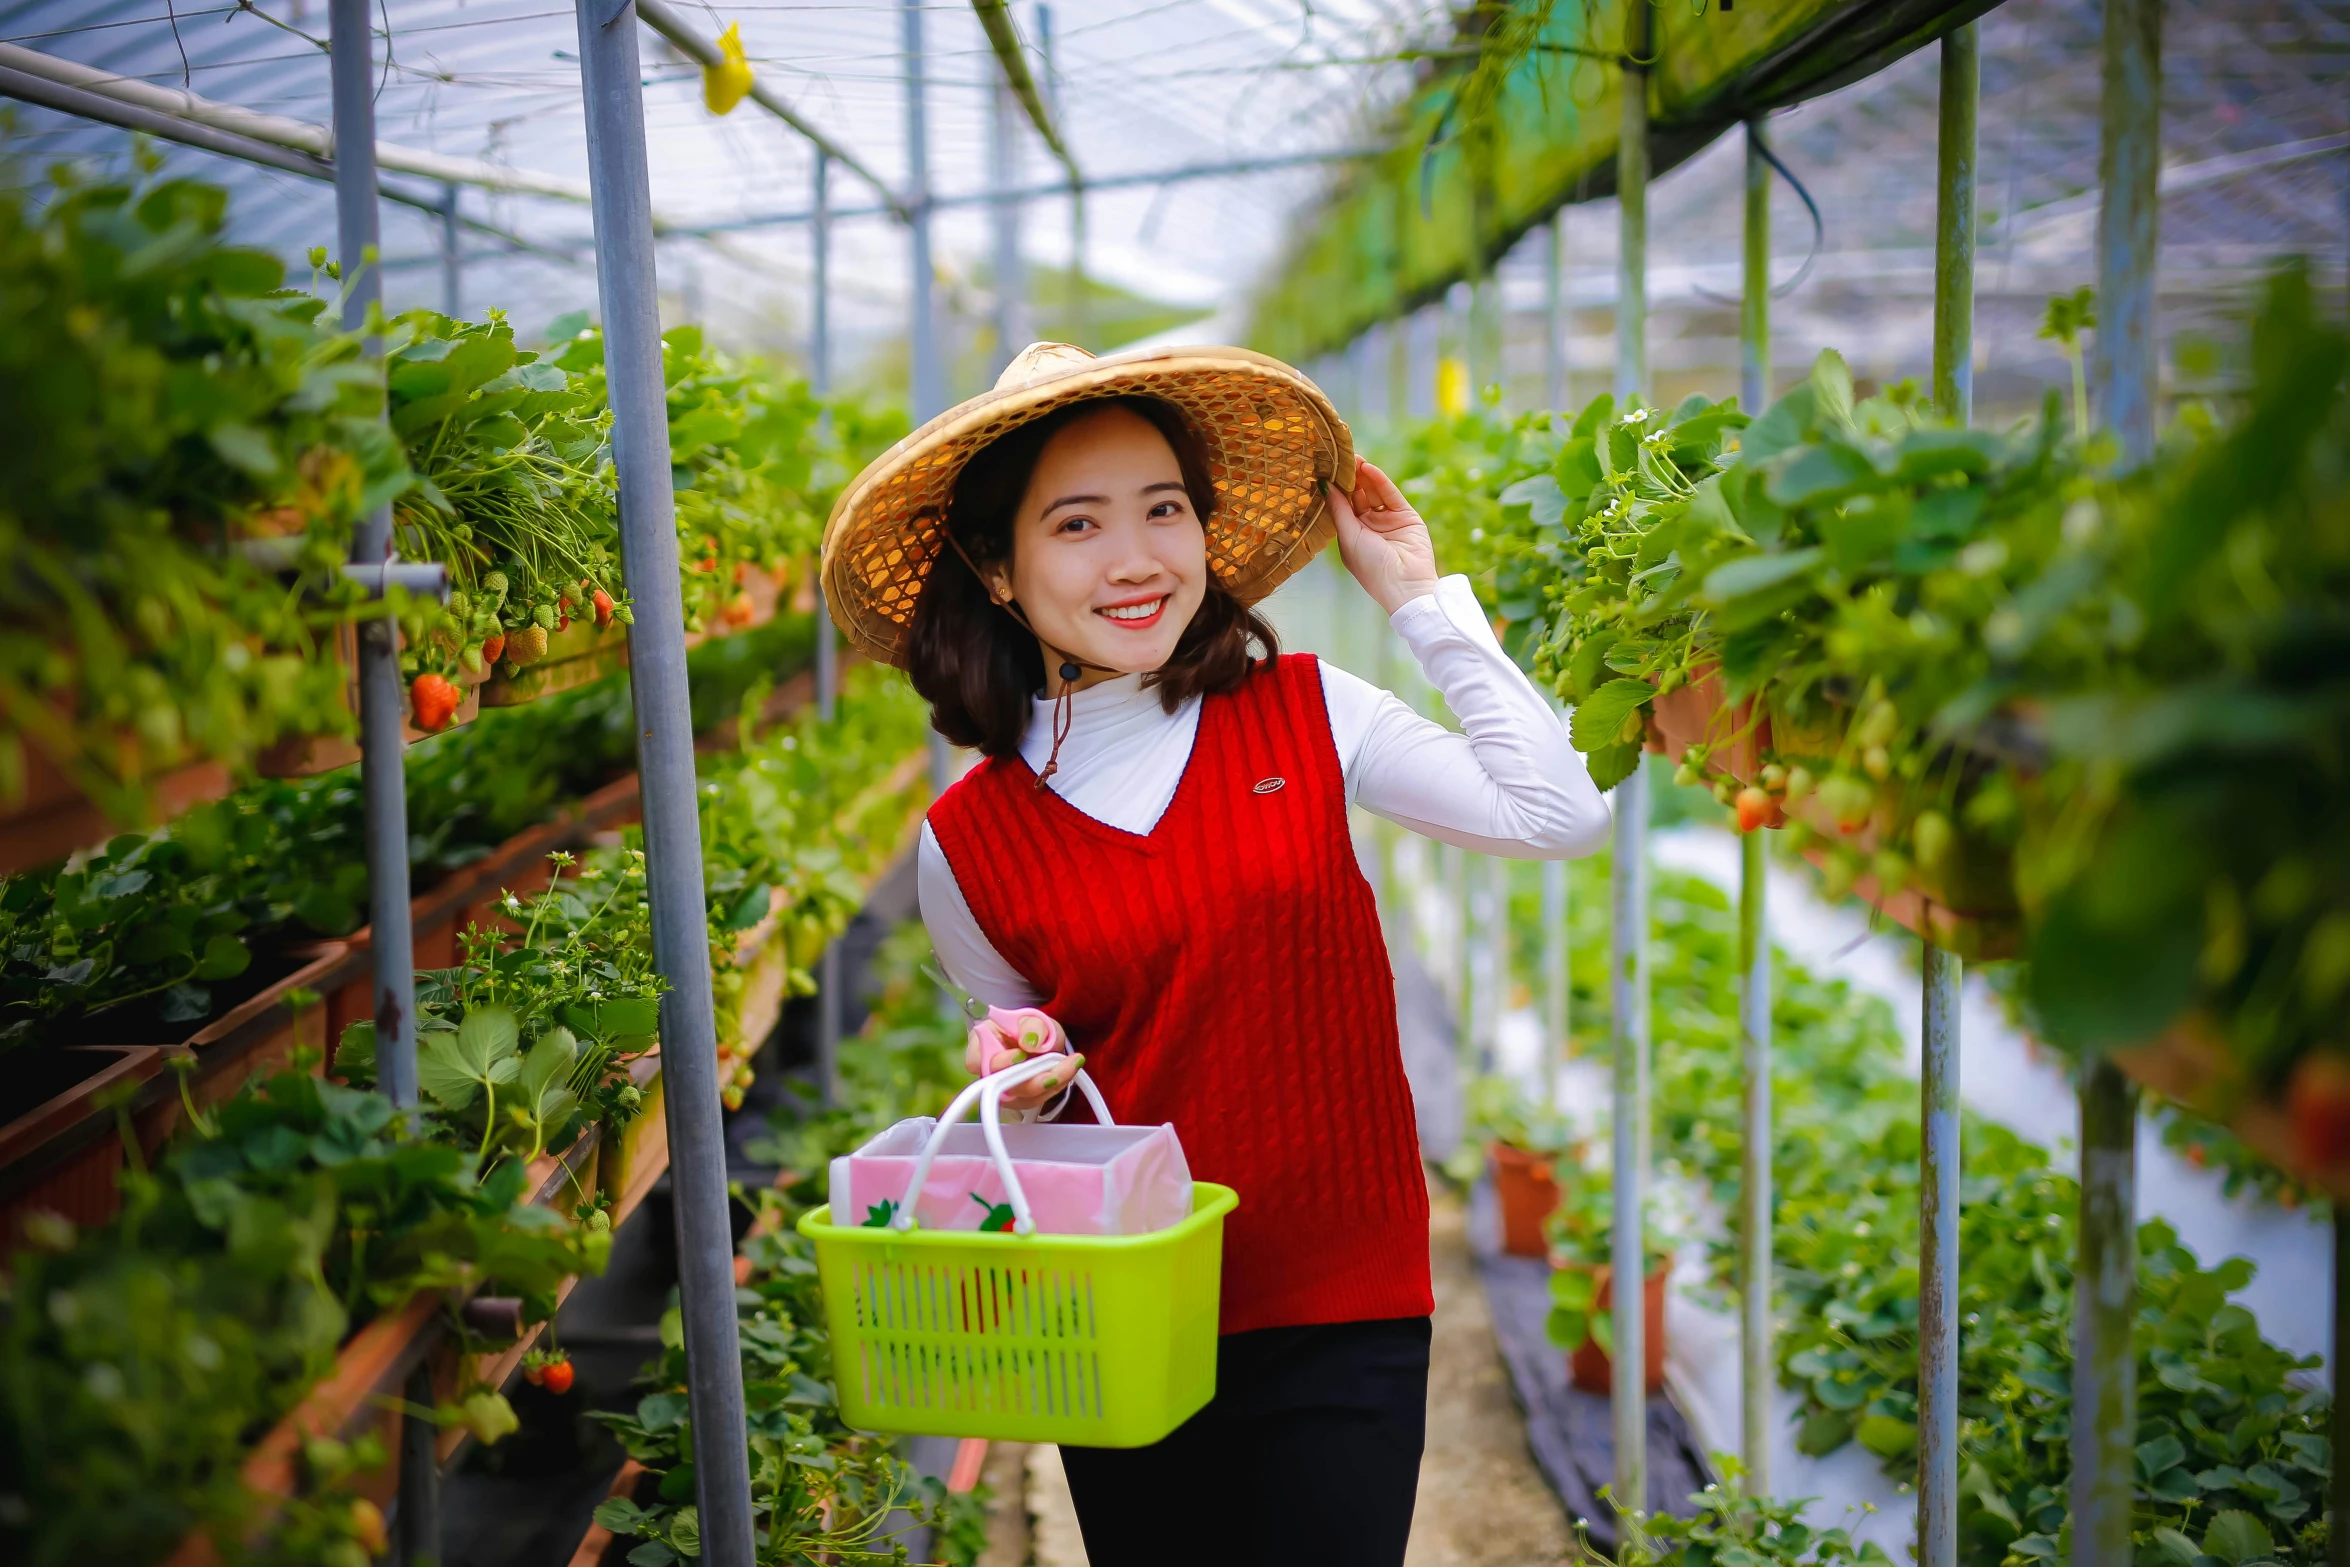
pixel 1142 85
pixel 2256 133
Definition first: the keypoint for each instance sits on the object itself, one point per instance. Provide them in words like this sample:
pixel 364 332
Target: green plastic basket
pixel 1096 1340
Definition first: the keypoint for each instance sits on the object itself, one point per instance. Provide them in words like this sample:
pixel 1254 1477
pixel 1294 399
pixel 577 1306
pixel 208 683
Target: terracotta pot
pixel 1590 1367
pixel 1527 1190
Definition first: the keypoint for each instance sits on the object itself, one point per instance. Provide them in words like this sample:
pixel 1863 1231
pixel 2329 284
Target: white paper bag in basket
pixel 1033 1178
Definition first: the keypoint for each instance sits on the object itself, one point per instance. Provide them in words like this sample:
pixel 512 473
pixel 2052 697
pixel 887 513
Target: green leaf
pixel 2237 1537
pixel 2168 1548
pixel 1831 384
pixel 224 957
pixel 620 1515
pixel 1887 1437
pixel 749 910
pixel 2162 1453
pixel 651 1554
pixel 244 448
pixel 454 1068
pixel 1599 718
pixel 1754 573
pixel 661 1411
pixel 1612 764
pixel 1823 1431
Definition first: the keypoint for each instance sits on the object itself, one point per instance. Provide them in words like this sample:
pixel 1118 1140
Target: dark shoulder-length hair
pixel 979 667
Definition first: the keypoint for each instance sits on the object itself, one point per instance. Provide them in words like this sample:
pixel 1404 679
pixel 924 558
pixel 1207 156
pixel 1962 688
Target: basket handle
pixel 989 1092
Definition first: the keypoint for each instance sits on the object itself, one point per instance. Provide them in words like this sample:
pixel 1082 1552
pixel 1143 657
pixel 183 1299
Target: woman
pixel 1155 854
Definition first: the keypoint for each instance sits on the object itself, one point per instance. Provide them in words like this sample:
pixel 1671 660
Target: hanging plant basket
pixel 306 756
pixel 2191 1066
pixel 1965 903
pixel 753 607
pixel 576 655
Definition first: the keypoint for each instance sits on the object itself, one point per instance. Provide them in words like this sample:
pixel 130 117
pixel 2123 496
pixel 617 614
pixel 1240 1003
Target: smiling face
pixel 1109 560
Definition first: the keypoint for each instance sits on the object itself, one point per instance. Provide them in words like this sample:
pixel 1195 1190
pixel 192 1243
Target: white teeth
pixel 1134 611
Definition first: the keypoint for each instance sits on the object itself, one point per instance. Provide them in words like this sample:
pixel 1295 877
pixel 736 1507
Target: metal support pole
pixel 1080 312
pixel 452 259
pixel 383 779
pixel 1754 316
pixel 382 767
pixel 1954 225
pixel 820 287
pixel 929 381
pixel 2338 1481
pixel 2122 358
pixel 2105 1278
pixel 1757 1142
pixel 1632 196
pixel 1756 1147
pixel 417 1519
pixel 1497 936
pixel 1011 278
pixel 2105 1298
pixel 1454 865
pixel 1628 966
pixel 619 172
pixel 1554 313
pixel 1938 1201
pixel 1556 984
pixel 1628 1026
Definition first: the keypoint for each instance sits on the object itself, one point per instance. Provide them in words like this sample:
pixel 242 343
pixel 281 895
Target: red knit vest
pixel 1226 972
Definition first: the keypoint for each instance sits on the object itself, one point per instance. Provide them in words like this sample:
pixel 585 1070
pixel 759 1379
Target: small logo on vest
pixel 1268 785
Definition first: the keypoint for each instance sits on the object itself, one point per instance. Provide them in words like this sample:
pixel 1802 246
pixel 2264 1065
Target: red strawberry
pixel 493 648
pixel 434 701
pixel 2318 1099
pixel 557 1377
pixel 534 1373
pixel 603 603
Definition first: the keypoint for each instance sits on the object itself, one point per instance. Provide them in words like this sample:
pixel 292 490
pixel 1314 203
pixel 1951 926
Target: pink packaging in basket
pixel 1079 1180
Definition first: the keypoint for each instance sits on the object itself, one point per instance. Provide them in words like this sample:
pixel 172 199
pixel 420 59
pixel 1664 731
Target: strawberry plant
pixel 2185 853
pixel 819 1491
pixel 188 444
pixel 139 1361
pixel 1729 1526
pixel 513 493
pixel 745 449
pixel 526 1043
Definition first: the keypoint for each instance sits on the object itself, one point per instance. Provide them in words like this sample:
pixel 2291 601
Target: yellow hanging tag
pixel 1452 387
pixel 729 81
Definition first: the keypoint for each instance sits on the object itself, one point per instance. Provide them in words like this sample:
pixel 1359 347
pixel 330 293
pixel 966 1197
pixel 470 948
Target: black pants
pixel 1309 1453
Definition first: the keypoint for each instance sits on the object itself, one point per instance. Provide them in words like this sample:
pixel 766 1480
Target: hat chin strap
pixel 1071 667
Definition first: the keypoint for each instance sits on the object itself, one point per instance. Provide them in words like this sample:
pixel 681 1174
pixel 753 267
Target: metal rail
pixel 1628 975
pixel 2105 1273
pixel 318 142
pixel 1757 1143
pixel 1938 1184
pixel 929 388
pixel 619 171
pixel 382 765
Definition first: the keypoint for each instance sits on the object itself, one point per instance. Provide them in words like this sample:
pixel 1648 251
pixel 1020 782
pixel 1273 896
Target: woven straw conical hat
pixel 1274 445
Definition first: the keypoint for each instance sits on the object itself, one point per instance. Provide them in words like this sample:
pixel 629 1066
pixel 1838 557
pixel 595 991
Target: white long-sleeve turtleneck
pixel 1510 784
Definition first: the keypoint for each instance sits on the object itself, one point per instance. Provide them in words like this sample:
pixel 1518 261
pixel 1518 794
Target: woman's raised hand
pixel 1382 540
pixel 1008 1036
